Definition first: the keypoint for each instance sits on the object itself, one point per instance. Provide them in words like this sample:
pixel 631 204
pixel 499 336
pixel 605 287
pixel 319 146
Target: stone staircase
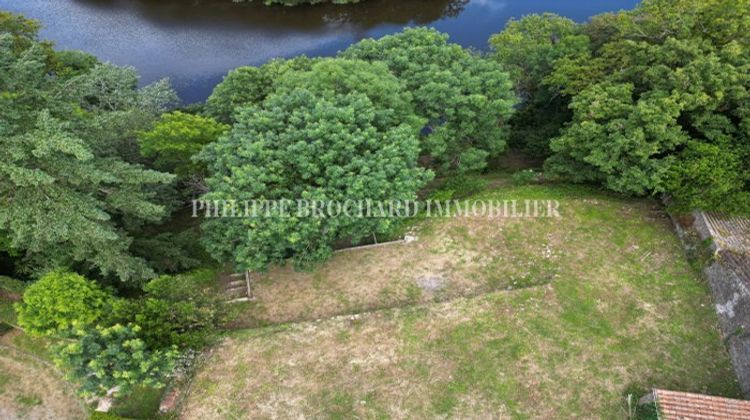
pixel 238 287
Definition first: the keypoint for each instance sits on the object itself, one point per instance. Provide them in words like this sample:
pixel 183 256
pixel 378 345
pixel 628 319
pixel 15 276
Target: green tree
pixel 466 99
pixel 528 49
pixel 300 145
pixel 105 358
pixel 709 176
pixel 250 86
pixel 60 302
pixel 661 96
pixel 70 178
pixel 176 138
pixel 389 96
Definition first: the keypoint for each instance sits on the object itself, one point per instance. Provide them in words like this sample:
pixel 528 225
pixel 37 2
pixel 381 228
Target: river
pixel 196 42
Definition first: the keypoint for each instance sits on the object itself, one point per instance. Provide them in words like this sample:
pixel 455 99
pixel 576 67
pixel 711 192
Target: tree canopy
pixel 663 97
pixel 342 131
pixel 648 101
pixel 529 48
pixel 466 99
pixel 176 138
pixel 250 85
pixel 70 176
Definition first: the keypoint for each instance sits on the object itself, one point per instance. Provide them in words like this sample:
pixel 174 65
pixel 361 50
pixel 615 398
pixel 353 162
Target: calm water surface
pixel 196 42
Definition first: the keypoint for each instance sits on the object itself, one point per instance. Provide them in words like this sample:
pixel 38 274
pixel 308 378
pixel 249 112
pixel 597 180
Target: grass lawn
pixel 530 318
pixel 11 290
pixel 29 388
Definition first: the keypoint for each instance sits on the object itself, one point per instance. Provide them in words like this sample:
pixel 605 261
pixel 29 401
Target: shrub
pixel 525 177
pixel 464 186
pixel 103 358
pixel 181 311
pixel 61 301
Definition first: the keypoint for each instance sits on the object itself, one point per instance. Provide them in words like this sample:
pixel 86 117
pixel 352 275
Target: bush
pixel 459 187
pixel 181 311
pixel 103 358
pixel 525 177
pixel 60 302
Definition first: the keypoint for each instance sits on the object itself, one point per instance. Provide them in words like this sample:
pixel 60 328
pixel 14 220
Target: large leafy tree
pixel 70 181
pixel 342 131
pixel 528 49
pixel 661 104
pixel 176 138
pixel 466 99
pixel 250 85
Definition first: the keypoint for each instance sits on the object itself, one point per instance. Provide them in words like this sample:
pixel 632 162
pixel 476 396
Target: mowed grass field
pixel 480 318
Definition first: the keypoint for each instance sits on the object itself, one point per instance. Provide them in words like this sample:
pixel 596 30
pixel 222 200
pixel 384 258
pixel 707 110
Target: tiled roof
pixel 683 406
pixel 739 264
pixel 731 233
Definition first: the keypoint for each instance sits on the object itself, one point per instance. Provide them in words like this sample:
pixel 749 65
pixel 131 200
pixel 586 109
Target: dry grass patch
pixel 31 390
pixel 506 354
pixel 452 257
pixel 603 303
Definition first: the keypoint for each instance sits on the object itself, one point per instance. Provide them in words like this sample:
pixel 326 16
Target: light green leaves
pixel 61 302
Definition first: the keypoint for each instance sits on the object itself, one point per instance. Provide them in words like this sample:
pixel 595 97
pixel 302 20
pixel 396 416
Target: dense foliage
pixel 59 303
pixel 67 126
pixel 343 130
pixel 176 138
pixel 658 99
pixel 104 358
pixel 466 99
pixel 250 85
pixel 528 49
pixel 110 341
pixel 180 311
pixel 665 96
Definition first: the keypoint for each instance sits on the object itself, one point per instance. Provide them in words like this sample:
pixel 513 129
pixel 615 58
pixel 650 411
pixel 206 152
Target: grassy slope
pixel 616 308
pixel 31 388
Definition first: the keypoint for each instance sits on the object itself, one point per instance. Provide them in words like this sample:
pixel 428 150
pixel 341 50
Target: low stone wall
pixel 728 276
pixel 731 293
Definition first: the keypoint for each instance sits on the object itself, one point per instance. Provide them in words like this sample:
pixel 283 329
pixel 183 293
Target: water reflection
pixel 195 42
pixel 363 16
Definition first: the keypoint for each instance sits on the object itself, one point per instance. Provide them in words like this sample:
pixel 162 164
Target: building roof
pixel 729 233
pixel 674 405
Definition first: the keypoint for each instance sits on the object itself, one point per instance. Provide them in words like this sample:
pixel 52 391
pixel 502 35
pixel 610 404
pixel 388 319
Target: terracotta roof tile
pixel 685 406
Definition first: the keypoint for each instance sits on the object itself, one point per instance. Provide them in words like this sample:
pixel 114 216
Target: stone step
pixel 244 299
pixel 237 283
